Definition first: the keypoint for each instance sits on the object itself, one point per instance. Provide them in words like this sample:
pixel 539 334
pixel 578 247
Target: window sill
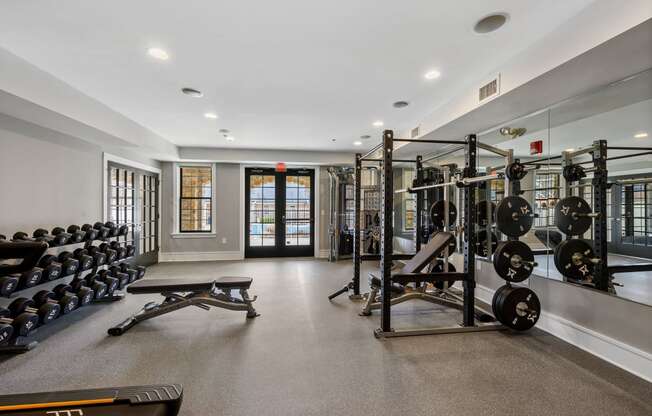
pixel 193 235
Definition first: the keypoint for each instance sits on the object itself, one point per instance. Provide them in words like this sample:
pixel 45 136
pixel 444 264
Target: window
pixel 635 213
pixel 546 196
pixel 195 199
pixel 496 191
pixel 409 202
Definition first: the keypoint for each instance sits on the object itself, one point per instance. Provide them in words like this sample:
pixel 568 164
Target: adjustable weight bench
pixel 180 293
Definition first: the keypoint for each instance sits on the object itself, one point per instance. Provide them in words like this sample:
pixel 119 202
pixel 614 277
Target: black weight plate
pixel 570 216
pixel 481 208
pixel 438 214
pixel 481 243
pixel 511 261
pixel 519 308
pixel 571 259
pixel 438 267
pixel 496 300
pixel 514 216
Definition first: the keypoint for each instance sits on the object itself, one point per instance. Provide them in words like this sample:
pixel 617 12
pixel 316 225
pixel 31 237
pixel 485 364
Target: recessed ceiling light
pixel 491 23
pixel 333 140
pixel 432 74
pixel 229 138
pixel 378 123
pixel 158 54
pixel 640 135
pixel 192 92
pixel 357 143
pixel 224 131
pixel 210 115
pixel 400 104
pixel 569 150
pixel 365 137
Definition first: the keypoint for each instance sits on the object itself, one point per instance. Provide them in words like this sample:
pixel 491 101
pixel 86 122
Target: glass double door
pixel 133 201
pixel 280 218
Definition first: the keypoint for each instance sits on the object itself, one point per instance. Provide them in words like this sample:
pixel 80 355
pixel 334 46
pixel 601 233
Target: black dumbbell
pixel 111 254
pixel 123 230
pixel 85 293
pixel 85 260
pixel 122 251
pixel 52 269
pixel 69 262
pixel 99 258
pixel 21 236
pixel 103 231
pixel 64 291
pixel 112 283
pixel 30 278
pixel 6 332
pixel 141 271
pixel 61 233
pixel 8 285
pixel 78 235
pixel 52 240
pixel 114 228
pixel 123 278
pixel 131 250
pixel 68 302
pixel 91 233
pixel 22 325
pixel 99 289
pixel 124 268
pixel 46 313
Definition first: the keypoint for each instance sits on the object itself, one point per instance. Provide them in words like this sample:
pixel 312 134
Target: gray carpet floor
pixel 306 356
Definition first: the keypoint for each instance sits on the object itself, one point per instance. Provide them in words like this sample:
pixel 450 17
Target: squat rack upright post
pixel 357 174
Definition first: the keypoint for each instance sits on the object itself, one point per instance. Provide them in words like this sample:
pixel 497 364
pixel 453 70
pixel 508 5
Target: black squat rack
pixel 467 183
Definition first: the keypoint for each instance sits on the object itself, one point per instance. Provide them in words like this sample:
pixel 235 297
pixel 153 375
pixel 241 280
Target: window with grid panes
pixel 635 213
pixel 122 200
pixel 149 204
pixel 546 195
pixel 409 202
pixel 195 199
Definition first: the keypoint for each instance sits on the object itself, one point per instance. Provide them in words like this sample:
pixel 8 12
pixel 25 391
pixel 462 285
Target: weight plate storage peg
pixel 514 216
pixel 575 259
pixel 517 308
pixel 573 216
pixel 514 261
pixel 438 214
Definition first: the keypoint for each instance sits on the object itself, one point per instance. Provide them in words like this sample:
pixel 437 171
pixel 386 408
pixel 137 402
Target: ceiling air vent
pixel 489 90
pixel 414 132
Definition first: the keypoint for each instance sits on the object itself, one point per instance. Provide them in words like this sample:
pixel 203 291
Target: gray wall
pixel 227 213
pixel 48 179
pixel 623 320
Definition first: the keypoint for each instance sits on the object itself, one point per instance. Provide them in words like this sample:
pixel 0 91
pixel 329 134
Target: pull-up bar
pixel 461 182
pixel 431 141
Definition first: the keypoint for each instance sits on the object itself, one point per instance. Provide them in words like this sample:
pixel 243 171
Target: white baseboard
pixel 323 254
pixel 199 256
pixel 625 356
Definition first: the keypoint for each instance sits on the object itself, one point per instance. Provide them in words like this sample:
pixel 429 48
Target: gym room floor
pixel 306 356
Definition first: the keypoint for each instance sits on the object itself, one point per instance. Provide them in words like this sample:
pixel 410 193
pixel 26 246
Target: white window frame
pixel 177 194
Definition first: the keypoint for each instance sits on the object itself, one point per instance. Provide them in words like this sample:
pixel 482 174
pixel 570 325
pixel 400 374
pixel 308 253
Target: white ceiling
pixel 289 74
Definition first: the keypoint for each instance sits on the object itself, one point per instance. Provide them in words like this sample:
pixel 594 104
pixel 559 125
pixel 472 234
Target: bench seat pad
pixel 188 285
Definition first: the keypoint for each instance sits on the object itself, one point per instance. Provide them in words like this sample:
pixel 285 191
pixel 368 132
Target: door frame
pixel 316 206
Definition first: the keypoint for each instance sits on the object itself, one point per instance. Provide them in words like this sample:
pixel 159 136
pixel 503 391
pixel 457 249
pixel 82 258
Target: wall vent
pixel 490 89
pixel 414 132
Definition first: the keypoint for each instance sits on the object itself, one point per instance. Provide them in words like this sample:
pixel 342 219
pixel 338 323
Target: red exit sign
pixel 536 148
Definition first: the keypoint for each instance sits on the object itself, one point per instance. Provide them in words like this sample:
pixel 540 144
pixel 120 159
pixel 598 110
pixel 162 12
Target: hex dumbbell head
pixel 8 285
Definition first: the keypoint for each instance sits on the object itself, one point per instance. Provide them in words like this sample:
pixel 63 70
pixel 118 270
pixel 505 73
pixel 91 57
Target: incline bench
pixel 436 246
pixel 180 293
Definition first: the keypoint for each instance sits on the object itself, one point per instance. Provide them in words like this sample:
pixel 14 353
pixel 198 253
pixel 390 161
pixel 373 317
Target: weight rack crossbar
pixel 431 141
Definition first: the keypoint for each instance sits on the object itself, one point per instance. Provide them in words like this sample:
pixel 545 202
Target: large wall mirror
pixel 621 114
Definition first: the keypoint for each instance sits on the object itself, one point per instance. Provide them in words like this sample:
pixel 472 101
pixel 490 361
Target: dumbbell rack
pixel 15 346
